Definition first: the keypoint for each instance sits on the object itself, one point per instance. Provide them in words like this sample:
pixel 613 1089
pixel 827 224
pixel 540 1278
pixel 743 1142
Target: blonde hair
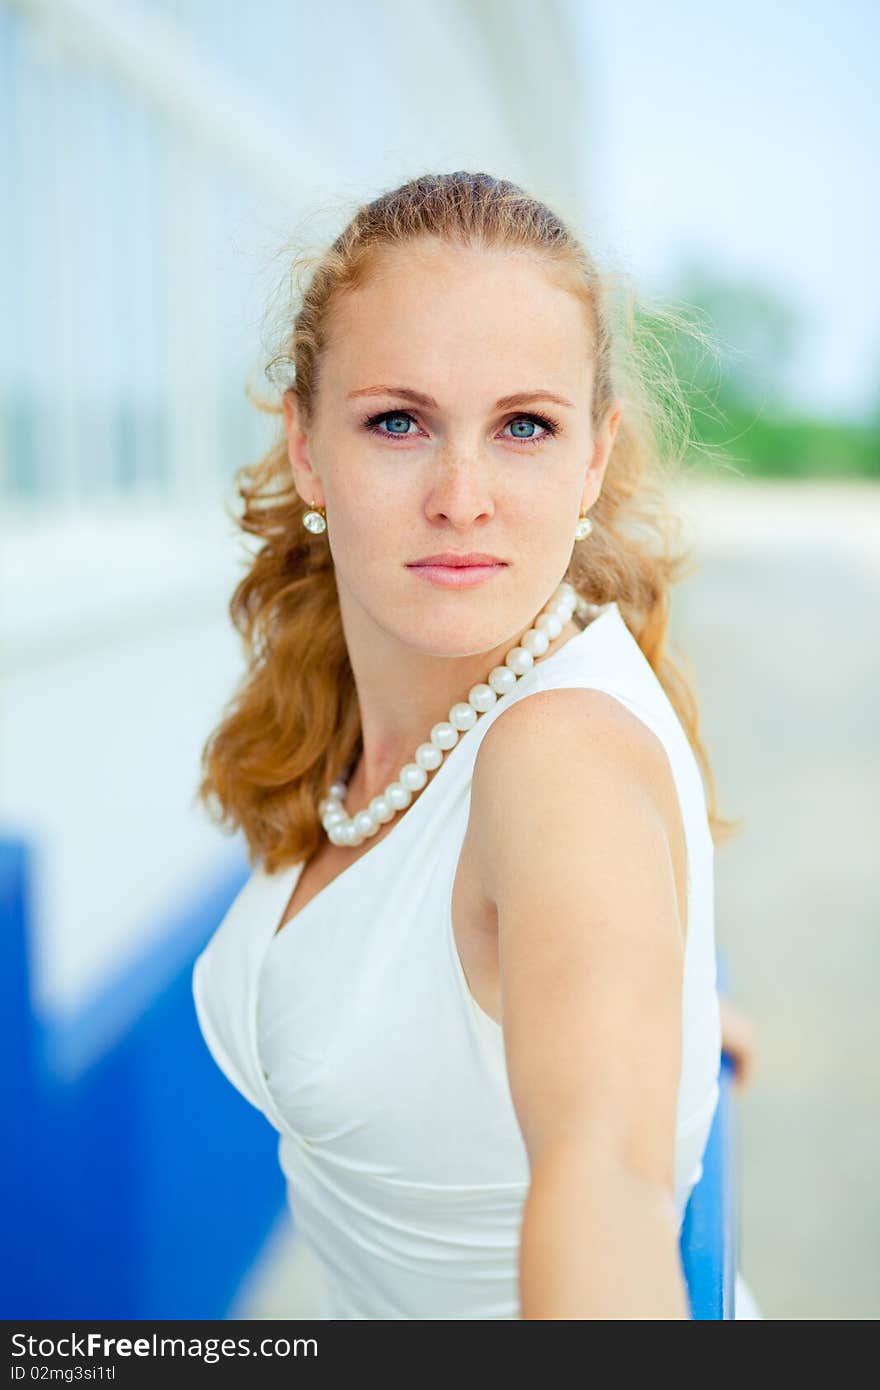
pixel 293 724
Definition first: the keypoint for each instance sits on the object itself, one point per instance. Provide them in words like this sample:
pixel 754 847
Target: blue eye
pixel 548 427
pixel 524 420
pixel 397 417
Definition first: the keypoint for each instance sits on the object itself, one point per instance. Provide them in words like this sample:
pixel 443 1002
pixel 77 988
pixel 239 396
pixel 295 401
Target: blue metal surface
pixel 142 1185
pixel 709 1240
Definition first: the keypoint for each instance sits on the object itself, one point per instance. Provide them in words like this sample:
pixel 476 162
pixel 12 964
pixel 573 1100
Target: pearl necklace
pixel 343 829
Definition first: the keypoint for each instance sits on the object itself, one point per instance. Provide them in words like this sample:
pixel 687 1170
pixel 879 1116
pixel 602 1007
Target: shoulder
pixel 558 732
pixel 562 765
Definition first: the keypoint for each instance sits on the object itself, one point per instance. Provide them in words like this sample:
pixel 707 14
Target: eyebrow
pixel 418 398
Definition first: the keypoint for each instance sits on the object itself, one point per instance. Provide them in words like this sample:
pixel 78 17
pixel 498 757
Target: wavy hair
pixel 293 724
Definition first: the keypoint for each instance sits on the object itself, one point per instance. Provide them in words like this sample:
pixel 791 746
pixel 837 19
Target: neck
pixel 391 731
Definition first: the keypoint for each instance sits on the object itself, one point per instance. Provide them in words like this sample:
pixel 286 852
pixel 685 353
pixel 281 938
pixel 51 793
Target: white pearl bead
pixel 398 795
pixel 338 790
pixel 502 679
pixel 462 716
pixel 482 697
pixel 551 623
pixel 412 776
pixel 428 756
pixel 349 833
pixel 366 823
pixel 443 736
pixel 382 809
pixel 334 817
pixel 535 641
pixel 336 834
pixel 519 660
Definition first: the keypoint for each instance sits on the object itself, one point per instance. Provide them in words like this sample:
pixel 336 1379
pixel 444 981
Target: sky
pixel 746 134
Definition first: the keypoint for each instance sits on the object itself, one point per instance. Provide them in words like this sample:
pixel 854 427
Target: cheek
pixel 370 529
pixel 376 516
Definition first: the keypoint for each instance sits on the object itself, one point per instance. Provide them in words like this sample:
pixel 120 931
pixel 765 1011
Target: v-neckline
pixel 293 872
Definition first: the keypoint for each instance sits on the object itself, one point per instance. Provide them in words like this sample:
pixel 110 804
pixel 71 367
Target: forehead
pixel 467 319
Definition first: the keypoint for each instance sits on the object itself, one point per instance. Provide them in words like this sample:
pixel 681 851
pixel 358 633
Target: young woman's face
pixel 415 449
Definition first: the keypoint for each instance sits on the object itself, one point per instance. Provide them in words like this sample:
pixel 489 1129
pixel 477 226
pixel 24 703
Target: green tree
pixel 731 345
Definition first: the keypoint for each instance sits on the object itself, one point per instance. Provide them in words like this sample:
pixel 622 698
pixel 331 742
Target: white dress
pixel 354 1031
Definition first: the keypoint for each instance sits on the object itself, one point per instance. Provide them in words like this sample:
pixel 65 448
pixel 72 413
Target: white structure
pixel 160 155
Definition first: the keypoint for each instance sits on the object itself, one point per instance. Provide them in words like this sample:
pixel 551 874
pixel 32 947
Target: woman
pixel 471 980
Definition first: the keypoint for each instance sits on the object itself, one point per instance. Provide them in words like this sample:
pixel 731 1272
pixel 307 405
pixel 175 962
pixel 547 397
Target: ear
pixel 305 477
pixel 603 444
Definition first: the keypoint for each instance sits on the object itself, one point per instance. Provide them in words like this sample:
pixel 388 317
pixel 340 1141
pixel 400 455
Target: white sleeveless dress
pixel 354 1031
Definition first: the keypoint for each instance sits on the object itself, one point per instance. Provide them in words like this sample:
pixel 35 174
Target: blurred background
pixel 155 159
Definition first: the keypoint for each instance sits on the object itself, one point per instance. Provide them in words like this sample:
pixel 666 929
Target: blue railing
pixel 130 1174
pixel 709 1242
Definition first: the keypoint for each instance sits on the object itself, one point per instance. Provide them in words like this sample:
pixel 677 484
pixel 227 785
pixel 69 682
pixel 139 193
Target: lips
pixel 451 571
pixel 451 560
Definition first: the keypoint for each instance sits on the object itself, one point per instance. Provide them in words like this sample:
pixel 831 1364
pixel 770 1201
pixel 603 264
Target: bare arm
pixel 591 956
pixel 597 1240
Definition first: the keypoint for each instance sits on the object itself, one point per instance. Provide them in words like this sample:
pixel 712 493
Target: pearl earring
pixel 315 520
pixel 583 528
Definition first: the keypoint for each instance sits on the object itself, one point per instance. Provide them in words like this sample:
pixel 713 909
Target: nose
pixel 461 495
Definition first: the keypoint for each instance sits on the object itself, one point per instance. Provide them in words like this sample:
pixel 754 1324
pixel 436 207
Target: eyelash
pixel 372 423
